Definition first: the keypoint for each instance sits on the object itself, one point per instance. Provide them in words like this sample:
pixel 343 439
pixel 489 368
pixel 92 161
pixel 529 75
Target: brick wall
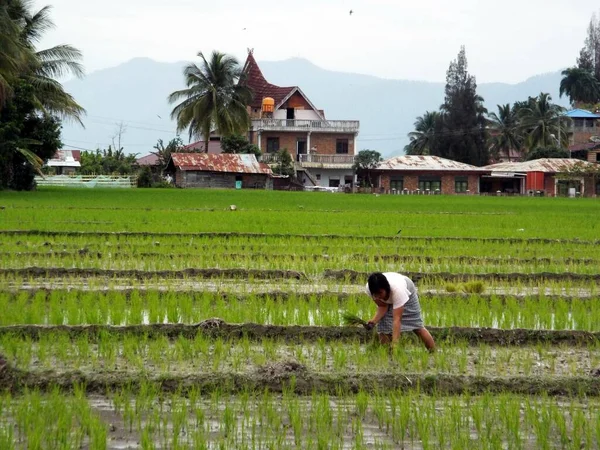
pixel 549 185
pixel 325 143
pixel 411 181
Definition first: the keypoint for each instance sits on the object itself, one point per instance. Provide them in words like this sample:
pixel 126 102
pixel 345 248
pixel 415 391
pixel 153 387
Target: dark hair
pixel 378 281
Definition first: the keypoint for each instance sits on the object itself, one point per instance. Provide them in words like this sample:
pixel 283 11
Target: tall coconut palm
pixel 213 100
pixel 504 131
pixel 580 85
pixel 542 122
pixel 49 64
pixel 424 136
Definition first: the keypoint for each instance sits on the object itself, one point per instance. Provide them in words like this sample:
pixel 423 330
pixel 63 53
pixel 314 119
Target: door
pixel 300 148
pixel 290 116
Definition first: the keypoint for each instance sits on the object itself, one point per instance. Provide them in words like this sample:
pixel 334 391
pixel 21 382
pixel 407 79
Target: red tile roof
pixel 260 87
pixel 230 163
pixel 148 160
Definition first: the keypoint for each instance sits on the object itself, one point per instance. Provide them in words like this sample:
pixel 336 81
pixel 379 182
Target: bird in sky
pixel 351 12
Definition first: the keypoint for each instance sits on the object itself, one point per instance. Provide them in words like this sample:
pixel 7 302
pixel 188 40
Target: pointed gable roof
pixel 260 87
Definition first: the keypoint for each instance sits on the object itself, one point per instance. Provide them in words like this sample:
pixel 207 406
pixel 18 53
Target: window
pixel 318 177
pixel 590 123
pixel 461 185
pixel 341 146
pixel 397 183
pixel 272 145
pixel 334 182
pixel 578 123
pixel 597 187
pixel 598 157
pixel 431 183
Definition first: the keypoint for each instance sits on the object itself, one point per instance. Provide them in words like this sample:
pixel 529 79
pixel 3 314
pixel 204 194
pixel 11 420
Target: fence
pixel 88 181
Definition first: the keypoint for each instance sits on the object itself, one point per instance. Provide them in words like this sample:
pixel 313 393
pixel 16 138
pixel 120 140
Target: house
pixel 150 160
pixel 589 151
pixel 424 174
pixel 225 171
pixel 285 118
pixel 65 162
pixel 585 126
pixel 547 176
pixel 214 146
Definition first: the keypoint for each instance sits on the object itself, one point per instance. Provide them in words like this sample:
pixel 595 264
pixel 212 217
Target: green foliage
pixel 580 85
pixel 428 128
pixel 504 132
pixel 589 57
pixel 107 162
pixel 26 139
pixel 164 152
pixel 542 121
pixel 213 99
pixel 551 152
pixel 285 165
pixel 239 144
pixel 365 162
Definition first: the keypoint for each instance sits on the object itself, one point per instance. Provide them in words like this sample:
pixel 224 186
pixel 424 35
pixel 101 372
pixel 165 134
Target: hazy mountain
pixel 135 93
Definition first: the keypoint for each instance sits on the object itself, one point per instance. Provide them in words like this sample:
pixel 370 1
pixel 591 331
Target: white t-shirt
pixel 399 293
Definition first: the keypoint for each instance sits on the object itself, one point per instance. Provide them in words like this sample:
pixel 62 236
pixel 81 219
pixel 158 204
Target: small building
pixel 150 160
pixel 285 118
pixel 225 171
pixel 585 126
pixel 214 146
pixel 424 174
pixel 547 176
pixel 65 162
pixel 589 152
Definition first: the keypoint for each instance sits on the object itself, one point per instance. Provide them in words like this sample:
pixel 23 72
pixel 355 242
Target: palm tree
pixel 580 85
pixel 213 99
pixel 424 136
pixel 49 64
pixel 542 122
pixel 505 134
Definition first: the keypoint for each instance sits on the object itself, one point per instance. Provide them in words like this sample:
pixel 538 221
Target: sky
pixel 506 41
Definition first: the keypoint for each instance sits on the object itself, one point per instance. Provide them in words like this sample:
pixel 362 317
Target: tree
pixel 26 139
pixel 239 144
pixel 464 136
pixel 366 161
pixel 427 129
pixel 504 131
pixel 552 152
pixel 164 152
pixel 580 85
pixel 213 99
pixel 589 57
pixel 285 165
pixel 542 122
pixel 107 162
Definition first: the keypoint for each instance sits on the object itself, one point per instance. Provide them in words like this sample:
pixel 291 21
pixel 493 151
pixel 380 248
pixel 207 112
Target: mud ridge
pixel 301 382
pixel 144 275
pixel 217 328
pixel 295 236
pixel 356 276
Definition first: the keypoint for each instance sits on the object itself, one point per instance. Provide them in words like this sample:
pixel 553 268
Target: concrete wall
pixel 323 143
pixel 329 174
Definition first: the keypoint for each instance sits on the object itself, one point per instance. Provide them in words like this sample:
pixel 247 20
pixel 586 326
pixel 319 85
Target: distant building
pixel 584 128
pixel 225 171
pixel 424 174
pixel 546 176
pixel 589 152
pixel 285 118
pixel 65 162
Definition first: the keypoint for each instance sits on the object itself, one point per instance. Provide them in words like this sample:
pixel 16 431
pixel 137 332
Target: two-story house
pixel 285 118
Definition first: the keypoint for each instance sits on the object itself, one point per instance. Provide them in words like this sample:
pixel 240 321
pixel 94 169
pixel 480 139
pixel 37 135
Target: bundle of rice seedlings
pixel 352 320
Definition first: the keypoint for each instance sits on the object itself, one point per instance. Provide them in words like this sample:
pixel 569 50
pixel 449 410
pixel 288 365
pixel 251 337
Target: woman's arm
pixel 397 324
pixel 381 311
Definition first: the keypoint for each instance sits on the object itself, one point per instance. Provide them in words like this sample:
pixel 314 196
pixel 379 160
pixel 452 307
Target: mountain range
pixel 134 94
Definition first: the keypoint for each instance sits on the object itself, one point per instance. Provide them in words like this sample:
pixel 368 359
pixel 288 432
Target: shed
pixel 65 162
pixel 226 171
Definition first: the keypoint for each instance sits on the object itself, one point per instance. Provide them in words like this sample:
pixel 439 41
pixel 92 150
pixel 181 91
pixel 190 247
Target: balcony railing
pixel 332 126
pixel 327 159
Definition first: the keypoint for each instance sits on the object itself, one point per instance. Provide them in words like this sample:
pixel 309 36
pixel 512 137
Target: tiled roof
pixel 260 87
pixel 214 147
pixel 148 160
pixel 546 165
pixel 426 163
pixel 587 146
pixel 230 163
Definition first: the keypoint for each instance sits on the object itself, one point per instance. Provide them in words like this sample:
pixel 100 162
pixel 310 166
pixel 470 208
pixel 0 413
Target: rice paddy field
pixel 165 319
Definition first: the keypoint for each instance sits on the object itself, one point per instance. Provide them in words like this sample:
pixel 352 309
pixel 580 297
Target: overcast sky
pixel 507 41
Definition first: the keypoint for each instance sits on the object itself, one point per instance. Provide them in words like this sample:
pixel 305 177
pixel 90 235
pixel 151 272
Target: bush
pixel 473 287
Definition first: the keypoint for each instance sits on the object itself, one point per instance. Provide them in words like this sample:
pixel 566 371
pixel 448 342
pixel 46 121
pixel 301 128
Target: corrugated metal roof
pixel 581 114
pixel 546 165
pixel 426 163
pixel 231 163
